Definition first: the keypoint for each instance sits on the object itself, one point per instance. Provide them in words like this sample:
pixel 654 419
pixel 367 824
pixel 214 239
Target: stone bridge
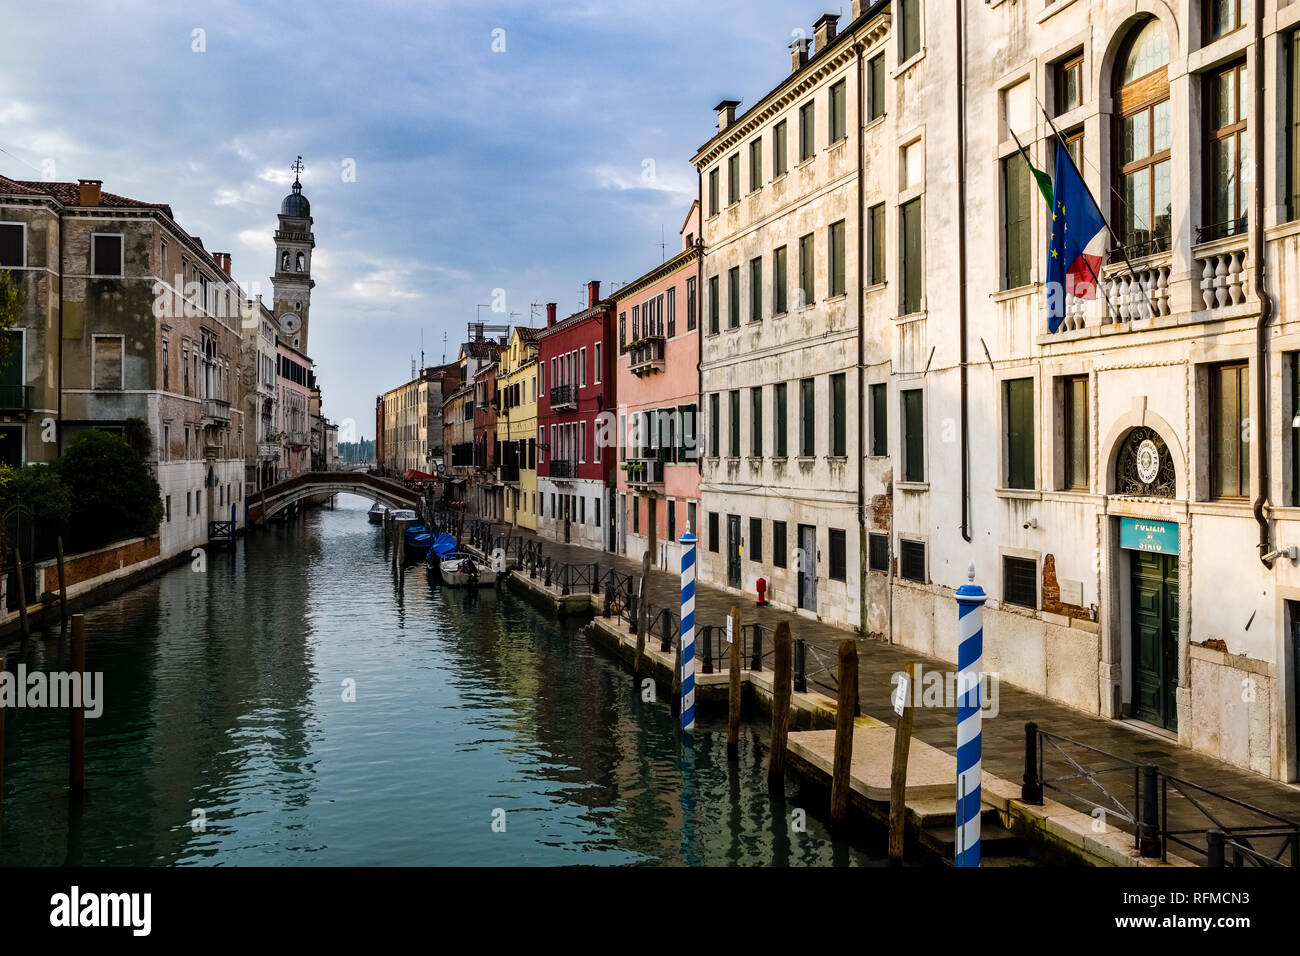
pixel 269 501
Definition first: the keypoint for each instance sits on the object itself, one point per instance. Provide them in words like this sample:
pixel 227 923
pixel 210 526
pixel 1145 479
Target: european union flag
pixel 1076 220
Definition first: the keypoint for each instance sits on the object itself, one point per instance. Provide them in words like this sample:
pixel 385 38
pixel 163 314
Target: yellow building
pixel 517 427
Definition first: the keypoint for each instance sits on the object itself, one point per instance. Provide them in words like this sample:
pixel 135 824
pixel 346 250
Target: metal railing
pixel 564 395
pixel 1258 833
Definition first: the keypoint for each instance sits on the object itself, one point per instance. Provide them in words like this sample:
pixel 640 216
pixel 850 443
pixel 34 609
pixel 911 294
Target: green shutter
pixel 1020 433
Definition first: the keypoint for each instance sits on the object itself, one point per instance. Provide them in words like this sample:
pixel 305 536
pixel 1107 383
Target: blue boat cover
pixel 444 546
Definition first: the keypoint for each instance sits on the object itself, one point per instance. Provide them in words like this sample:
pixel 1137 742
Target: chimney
pixel 90 191
pixel 798 54
pixel 593 292
pixel 223 260
pixel 857 8
pixel 726 111
pixel 550 314
pixel 824 30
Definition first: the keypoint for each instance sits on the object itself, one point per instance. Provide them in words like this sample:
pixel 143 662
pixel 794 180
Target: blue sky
pixel 475 170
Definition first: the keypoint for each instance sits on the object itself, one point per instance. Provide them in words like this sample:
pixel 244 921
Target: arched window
pixel 1142 138
pixel 300 261
pixel 284 261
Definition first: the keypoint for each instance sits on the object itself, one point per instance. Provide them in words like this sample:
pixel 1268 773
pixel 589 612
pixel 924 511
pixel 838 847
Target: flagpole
pixel 1110 309
pixel 1119 245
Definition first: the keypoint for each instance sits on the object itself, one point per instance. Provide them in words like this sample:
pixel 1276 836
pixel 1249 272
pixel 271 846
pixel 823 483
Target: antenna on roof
pixel 421 351
pixel 444 346
pixel 663 245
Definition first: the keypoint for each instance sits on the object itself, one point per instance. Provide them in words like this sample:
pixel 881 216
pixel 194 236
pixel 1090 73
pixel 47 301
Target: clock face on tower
pixel 290 323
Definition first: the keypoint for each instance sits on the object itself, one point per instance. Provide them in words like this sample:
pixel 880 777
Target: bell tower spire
pixel 291 284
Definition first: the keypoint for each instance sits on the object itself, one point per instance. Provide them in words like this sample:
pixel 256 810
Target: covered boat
pixel 376 513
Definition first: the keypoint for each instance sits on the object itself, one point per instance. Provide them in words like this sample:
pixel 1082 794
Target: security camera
pixel 1031 523
pixel 1291 552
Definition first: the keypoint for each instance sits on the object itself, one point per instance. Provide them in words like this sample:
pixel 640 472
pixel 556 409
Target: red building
pixel 576 440
pixel 486 490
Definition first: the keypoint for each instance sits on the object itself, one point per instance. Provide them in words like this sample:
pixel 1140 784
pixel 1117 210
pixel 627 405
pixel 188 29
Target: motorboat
pixel 376 513
pixel 459 570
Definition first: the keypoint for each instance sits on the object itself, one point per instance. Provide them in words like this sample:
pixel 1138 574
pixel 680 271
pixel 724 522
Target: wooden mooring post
pixel 848 696
pixel 898 770
pixel 77 712
pixel 2 746
pixel 733 693
pixel 22 594
pixel 640 618
pixel 63 583
pixel 782 688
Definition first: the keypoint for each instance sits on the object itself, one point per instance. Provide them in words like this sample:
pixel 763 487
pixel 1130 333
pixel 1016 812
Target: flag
pixel 1080 281
pixel 1044 181
pixel 1076 220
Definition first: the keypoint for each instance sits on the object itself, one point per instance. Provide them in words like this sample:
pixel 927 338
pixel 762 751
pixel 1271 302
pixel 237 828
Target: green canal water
pixel 482 732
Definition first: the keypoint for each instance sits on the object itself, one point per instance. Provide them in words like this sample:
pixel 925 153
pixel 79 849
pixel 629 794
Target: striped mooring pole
pixel 688 632
pixel 970 661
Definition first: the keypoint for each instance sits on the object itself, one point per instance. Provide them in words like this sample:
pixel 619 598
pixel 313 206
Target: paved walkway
pixel 1004 735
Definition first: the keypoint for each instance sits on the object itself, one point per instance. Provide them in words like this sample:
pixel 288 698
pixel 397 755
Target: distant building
pixel 517 425
pixel 409 419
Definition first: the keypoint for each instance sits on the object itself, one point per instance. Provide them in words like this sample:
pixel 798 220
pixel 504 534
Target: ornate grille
pixel 1127 479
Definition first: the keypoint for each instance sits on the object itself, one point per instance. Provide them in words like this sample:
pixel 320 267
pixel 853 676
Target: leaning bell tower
pixel 291 284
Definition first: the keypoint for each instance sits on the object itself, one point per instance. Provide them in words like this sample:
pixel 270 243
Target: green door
pixel 1155 637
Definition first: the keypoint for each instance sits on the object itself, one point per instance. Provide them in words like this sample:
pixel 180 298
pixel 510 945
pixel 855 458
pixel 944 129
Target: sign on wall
pixel 1143 534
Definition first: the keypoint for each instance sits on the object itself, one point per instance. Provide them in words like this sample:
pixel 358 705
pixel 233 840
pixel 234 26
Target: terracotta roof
pixel 69 194
pixel 526 333
pixel 488 350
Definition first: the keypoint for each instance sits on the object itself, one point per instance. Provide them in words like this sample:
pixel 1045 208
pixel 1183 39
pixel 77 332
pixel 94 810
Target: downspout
pixel 862 298
pixel 699 334
pixel 961 267
pixel 1265 312
pixel 58 427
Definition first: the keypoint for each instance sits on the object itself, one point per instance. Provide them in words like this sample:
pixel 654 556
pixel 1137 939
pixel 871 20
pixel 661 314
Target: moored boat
pixel 376 513
pixel 464 571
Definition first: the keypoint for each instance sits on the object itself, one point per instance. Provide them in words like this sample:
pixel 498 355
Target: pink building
pixel 657 388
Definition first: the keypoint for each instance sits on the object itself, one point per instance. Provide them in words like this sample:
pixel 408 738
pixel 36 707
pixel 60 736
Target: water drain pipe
pixel 1262 377
pixel 961 267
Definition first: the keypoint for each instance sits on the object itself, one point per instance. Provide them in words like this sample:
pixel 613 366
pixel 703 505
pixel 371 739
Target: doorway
pixel 1154 630
pixel 733 551
pixel 806 559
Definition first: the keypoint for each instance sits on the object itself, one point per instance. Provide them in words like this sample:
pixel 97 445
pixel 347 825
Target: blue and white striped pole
pixel 970 661
pixel 688 632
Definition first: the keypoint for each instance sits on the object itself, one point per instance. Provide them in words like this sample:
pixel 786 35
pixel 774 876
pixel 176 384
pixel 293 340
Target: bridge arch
pixel 270 501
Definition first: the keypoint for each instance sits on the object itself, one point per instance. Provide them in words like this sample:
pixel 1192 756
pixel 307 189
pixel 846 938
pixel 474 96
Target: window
pixel 1229 411
pixel 1073 142
pixel 713 305
pixel 909 15
pixel 779 277
pixel 13 245
pixel 1227 153
pixel 806 270
pixel 756 165
pixel 807 118
pixel 756 290
pixel 713 191
pixel 780 164
pixel 837 282
pixel 1293 363
pixel 670 307
pixel 1018 407
pixel 839 121
pixel 913 435
pixel 910 226
pixel 1144 136
pixel 1292 131
pixel 879 404
pixel 876 73
pixel 733 297
pixel 106 361
pixel 715 440
pixel 582 371
pixel 733 423
pixel 1069 83
pixel 1076 431
pixel 692 303
pixel 756 422
pixel 780 429
pixel 1020 582
pixel 636 514
pixel 187 503
pixel 756 540
pixel 807 418
pixel 691 526
pixel 713 531
pixel 778 544
pixel 622 329
pixel 1017 234
pixel 733 178
pixel 164 453
pixel 878 552
pixel 1221 17
pixel 839 422
pixel 166 366
pixel 582 441
pixel 876 220
pixel 672 518
pixel 689 439
pixel 107 255
pixel 839 564
pixel 911 560
pixel 596 367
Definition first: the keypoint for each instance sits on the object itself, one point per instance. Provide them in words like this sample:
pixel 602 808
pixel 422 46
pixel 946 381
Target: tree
pixel 114 494
pixel 40 489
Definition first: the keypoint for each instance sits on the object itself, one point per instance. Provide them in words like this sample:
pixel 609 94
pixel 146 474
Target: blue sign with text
pixel 1142 534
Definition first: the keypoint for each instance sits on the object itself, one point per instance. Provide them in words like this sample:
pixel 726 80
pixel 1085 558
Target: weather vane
pixel 297 168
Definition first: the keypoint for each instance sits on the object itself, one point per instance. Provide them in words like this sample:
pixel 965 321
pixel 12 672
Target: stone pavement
pixel 1003 735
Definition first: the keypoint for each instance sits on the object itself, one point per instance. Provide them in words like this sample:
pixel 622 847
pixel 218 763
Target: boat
pixel 459 570
pixel 376 513
pixel 418 541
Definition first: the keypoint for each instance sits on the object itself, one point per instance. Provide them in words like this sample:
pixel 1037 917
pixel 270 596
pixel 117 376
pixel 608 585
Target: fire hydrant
pixel 762 592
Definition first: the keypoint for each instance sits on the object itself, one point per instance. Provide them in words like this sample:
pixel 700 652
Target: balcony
pixel 268 450
pixel 562 468
pixel 645 473
pixel 216 411
pixel 15 398
pixel 298 439
pixel 564 396
pixel 646 355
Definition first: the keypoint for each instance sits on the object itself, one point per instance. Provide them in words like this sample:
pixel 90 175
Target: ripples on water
pixel 224 693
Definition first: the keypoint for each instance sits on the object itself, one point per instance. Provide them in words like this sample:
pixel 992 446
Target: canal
pixel 481 731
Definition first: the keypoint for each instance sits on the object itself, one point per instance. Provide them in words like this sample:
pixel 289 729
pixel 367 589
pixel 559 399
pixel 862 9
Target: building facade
pixel 487 492
pixel 657 387
pixel 517 425
pixel 575 422
pixel 409 418
pixel 262 449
